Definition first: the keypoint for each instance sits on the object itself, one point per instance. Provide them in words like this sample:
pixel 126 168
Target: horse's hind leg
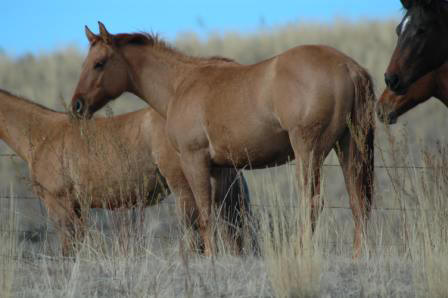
pixel 309 159
pixel 357 166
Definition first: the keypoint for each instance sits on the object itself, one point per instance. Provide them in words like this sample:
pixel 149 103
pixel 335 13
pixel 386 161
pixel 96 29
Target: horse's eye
pixel 421 31
pixel 99 64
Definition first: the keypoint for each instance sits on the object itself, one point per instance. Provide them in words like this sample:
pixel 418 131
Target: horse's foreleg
pixel 170 167
pixel 73 232
pixel 68 223
pixel 185 205
pixel 196 167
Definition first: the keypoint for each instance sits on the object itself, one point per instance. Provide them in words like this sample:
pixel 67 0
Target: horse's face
pixel 104 75
pixel 391 105
pixel 421 46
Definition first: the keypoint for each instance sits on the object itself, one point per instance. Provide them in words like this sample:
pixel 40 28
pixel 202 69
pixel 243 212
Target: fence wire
pixel 259 205
pixel 13 155
pixel 256 205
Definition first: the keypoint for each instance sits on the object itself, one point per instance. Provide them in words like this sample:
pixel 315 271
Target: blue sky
pixel 43 26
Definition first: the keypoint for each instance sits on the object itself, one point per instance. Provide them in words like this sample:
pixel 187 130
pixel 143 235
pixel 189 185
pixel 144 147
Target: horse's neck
pixel 23 125
pixel 155 75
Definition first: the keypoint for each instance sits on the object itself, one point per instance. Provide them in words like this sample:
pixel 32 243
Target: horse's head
pixel 104 74
pixel 392 105
pixel 422 45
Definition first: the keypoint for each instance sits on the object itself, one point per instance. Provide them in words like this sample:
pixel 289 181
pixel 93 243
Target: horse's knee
pixel 67 240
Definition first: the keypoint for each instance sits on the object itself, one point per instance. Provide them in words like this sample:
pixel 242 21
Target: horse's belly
pixel 267 151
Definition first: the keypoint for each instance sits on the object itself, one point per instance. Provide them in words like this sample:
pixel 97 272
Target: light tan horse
pixel 103 163
pixel 302 103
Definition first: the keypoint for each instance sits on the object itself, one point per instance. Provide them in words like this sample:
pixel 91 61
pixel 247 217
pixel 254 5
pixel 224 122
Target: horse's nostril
pixel 386 114
pixel 392 81
pixel 79 105
pixel 380 113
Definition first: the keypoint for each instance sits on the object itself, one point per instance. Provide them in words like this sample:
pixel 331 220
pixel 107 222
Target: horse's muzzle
pixel 385 114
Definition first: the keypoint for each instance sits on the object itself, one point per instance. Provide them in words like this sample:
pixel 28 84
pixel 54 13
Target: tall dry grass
pixel 404 254
pixel 428 232
pixel 293 259
pixel 8 248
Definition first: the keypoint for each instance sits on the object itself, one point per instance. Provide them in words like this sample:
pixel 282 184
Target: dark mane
pixel 153 40
pixel 220 58
pixel 138 39
pixel 8 94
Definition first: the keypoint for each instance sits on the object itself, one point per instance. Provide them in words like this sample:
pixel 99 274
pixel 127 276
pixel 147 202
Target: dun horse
pixel 435 84
pixel 103 163
pixel 422 45
pixel 302 103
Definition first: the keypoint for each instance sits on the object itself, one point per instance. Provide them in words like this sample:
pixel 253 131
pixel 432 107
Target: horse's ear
pixel 92 37
pixel 407 3
pixel 105 36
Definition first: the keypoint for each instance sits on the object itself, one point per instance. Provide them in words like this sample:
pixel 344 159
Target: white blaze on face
pixel 405 24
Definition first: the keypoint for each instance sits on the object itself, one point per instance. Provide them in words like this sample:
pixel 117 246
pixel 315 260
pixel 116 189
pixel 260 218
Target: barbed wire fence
pixel 327 165
pixel 258 205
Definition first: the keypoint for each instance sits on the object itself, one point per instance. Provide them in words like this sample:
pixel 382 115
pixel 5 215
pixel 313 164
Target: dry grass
pixel 403 260
pixel 405 254
pixel 429 232
pixel 8 248
pixel 293 260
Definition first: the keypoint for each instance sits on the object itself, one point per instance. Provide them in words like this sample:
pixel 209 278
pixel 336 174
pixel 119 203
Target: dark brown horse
pixel 435 84
pixel 104 163
pixel 300 104
pixel 422 44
